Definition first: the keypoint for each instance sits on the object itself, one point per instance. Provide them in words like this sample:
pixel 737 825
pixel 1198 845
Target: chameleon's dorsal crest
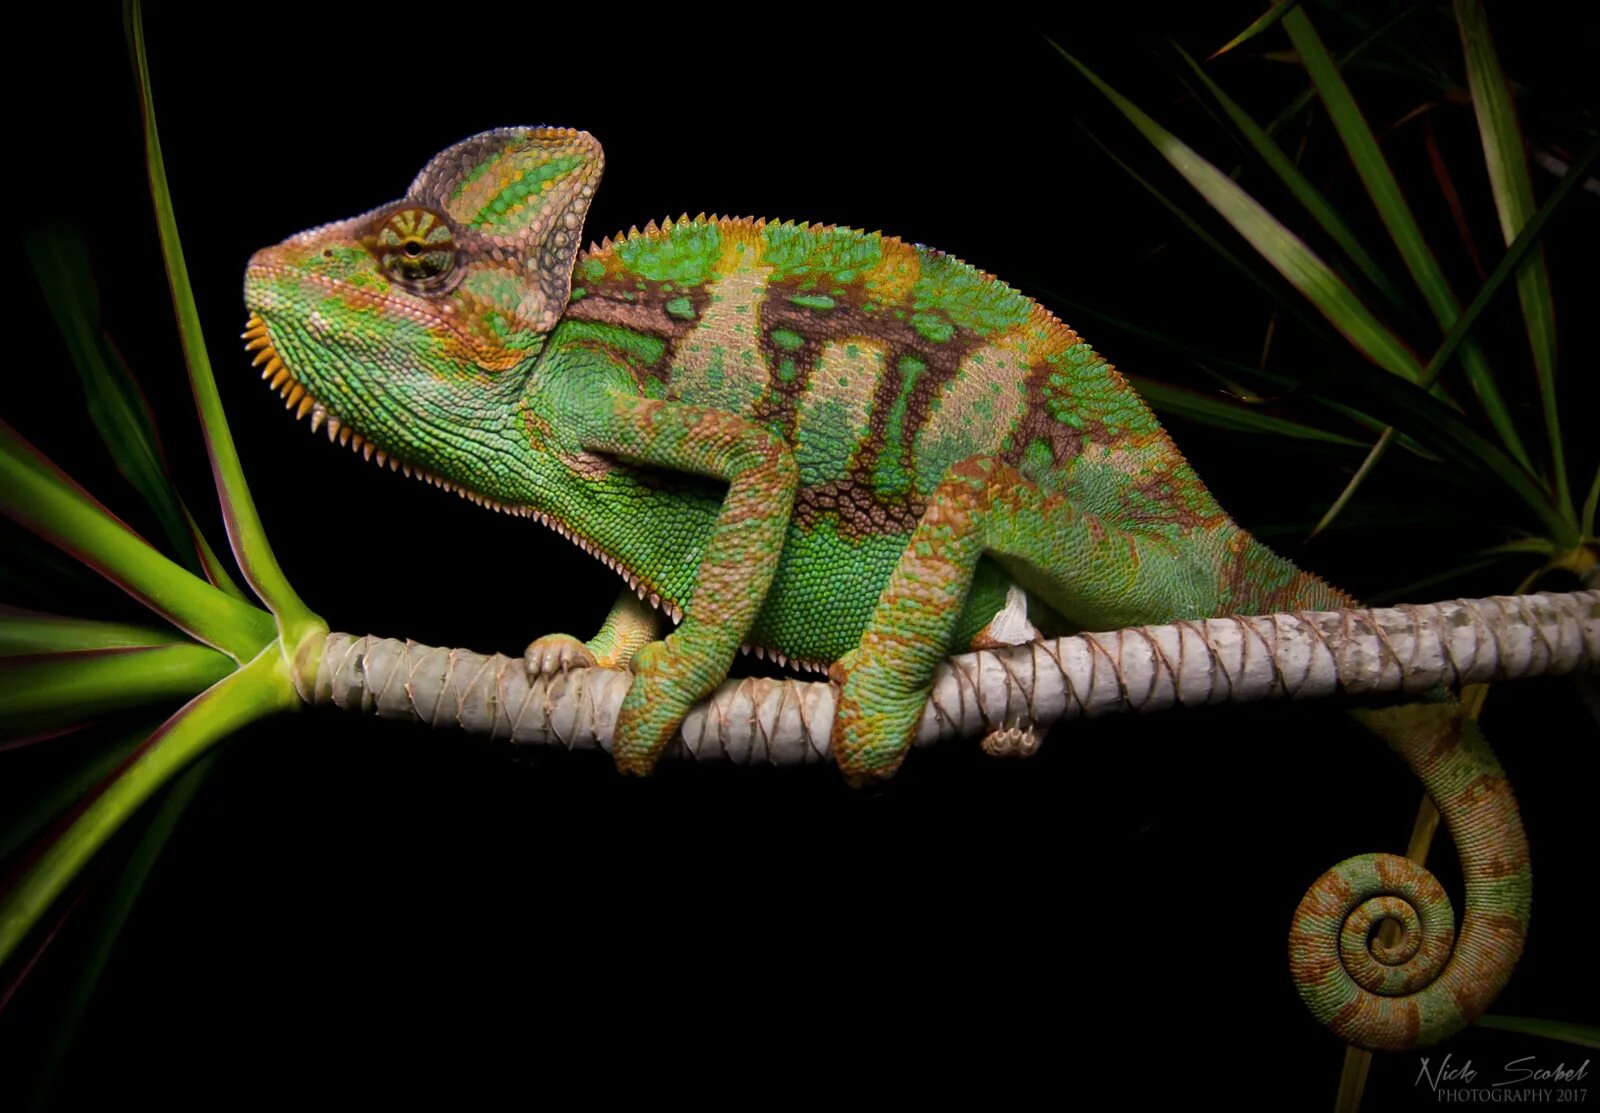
pixel 519 196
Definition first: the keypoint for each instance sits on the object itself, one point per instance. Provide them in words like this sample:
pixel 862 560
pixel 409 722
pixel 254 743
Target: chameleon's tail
pixel 1422 989
pixel 1434 981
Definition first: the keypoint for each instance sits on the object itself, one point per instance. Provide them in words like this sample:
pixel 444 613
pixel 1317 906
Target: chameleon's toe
pixel 1019 740
pixel 555 653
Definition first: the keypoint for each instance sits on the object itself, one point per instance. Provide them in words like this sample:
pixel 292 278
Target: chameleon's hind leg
pixel 631 625
pixel 1097 575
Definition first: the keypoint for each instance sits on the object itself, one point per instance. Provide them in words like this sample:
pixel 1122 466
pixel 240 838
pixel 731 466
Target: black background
pixel 369 913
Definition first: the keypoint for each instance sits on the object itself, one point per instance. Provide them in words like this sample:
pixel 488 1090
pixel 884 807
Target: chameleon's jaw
pixel 281 378
pixel 298 398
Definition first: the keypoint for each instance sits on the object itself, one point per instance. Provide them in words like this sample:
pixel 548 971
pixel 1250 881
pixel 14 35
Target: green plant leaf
pixel 42 807
pixel 246 534
pixel 41 498
pixel 1583 1035
pixel 1356 52
pixel 1504 156
pixel 1373 169
pixel 1590 504
pixel 24 631
pixel 1524 244
pixel 115 403
pixel 119 904
pixel 259 688
pixel 1223 414
pixel 1258 279
pixel 1265 21
pixel 49 690
pixel 1304 270
pixel 1310 198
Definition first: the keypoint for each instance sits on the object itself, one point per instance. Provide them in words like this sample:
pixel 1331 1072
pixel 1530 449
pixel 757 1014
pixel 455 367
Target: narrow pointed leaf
pixel 1507 162
pixel 44 806
pixel 1265 21
pixel 1223 414
pixel 1373 169
pixel 116 405
pixel 1590 505
pixel 1311 198
pixel 49 690
pixel 1583 1035
pixel 119 905
pixel 261 687
pixel 245 532
pixel 38 496
pixel 1378 35
pixel 23 631
pixel 1518 253
pixel 1260 280
pixel 1304 270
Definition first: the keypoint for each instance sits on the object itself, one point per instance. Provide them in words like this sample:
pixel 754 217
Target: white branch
pixel 1006 693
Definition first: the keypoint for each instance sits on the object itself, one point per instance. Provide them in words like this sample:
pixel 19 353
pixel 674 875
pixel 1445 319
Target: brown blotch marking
pixel 1310 958
pixel 857 510
pixel 605 302
pixel 1491 793
pixel 587 465
pixel 779 405
pixel 1065 442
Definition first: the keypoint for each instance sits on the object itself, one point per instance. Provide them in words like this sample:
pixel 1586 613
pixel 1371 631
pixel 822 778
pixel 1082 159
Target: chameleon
pixel 844 452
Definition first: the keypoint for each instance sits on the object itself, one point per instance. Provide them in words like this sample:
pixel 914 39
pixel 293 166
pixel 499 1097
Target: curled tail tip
pixel 1423 988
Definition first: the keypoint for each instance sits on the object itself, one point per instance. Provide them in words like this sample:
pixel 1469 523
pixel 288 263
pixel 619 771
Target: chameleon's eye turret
pixel 416 247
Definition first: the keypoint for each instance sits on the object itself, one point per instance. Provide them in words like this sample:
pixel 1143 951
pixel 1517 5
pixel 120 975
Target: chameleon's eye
pixel 416 247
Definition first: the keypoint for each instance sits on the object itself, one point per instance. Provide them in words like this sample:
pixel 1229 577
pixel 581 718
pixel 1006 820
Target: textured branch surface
pixel 1000 692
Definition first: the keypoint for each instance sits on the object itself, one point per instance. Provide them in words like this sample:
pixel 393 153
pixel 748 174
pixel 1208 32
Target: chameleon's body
pixel 846 451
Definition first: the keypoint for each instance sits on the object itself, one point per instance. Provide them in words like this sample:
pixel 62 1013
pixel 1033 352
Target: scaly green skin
pixel 845 451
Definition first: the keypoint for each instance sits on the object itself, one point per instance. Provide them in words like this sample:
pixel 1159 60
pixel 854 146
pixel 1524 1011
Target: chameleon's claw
pixel 556 653
pixel 1019 740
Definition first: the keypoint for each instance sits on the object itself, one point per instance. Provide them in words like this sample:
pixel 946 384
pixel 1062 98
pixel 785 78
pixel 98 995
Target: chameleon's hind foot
pixel 555 653
pixel 1018 740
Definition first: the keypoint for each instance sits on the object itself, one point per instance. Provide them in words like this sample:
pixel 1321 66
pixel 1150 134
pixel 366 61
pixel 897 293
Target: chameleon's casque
pixel 842 450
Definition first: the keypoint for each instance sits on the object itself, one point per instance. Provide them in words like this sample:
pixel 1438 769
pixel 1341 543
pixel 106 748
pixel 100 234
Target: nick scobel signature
pixel 1517 1072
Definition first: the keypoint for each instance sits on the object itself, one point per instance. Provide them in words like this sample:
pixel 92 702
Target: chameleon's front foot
pixel 666 684
pixel 555 653
pixel 875 720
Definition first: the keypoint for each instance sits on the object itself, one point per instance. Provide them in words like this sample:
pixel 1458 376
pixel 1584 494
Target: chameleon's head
pixel 406 327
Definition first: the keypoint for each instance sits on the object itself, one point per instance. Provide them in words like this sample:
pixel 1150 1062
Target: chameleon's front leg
pixel 631 625
pixel 735 569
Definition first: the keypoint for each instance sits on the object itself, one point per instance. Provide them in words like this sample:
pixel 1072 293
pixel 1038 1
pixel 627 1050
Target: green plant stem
pixel 41 498
pixel 257 689
pixel 57 688
pixel 296 621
